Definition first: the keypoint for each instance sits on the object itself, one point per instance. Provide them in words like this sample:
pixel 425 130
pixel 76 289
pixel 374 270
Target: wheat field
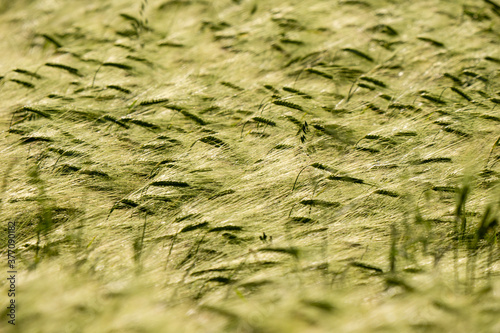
pixel 250 166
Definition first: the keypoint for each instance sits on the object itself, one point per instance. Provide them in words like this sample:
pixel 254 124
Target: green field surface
pixel 250 166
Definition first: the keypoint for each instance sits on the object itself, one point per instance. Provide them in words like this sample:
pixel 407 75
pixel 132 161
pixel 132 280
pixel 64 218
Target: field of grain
pixel 250 165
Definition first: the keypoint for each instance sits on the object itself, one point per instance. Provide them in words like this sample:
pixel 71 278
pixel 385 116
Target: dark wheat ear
pixel 434 99
pixel 358 53
pixel 226 228
pixel 122 203
pixel 431 41
pixel 461 93
pixel 348 179
pixel 116 121
pixel 320 203
pixel 154 101
pixel 213 141
pixel 492 59
pixel 367 149
pixel 171 44
pixel 490 117
pixel 496 144
pixel 193 117
pixel 258 120
pixel 35 111
pixel 137 23
pixel 320 73
pixel 117 65
pixel 231 85
pixel 139 59
pixel 399 106
pixel 23 83
pixel 432 160
pixel 294 120
pixel 192 227
pixel 291 41
pixel 272 89
pixel 265 121
pixel 456 131
pixel 318 166
pixel 141 123
pixel 385 29
pixel 375 108
pixel 69 69
pixel 28 73
pixel 52 40
pixel 288 105
pixel 297 92
pixel 495 100
pixel 366 86
pixel 163 183
pixel 374 81
pixel 115 87
pixel 367 267
pixel 24 113
pixel 475 76
pixel 387 193
pixel 455 79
